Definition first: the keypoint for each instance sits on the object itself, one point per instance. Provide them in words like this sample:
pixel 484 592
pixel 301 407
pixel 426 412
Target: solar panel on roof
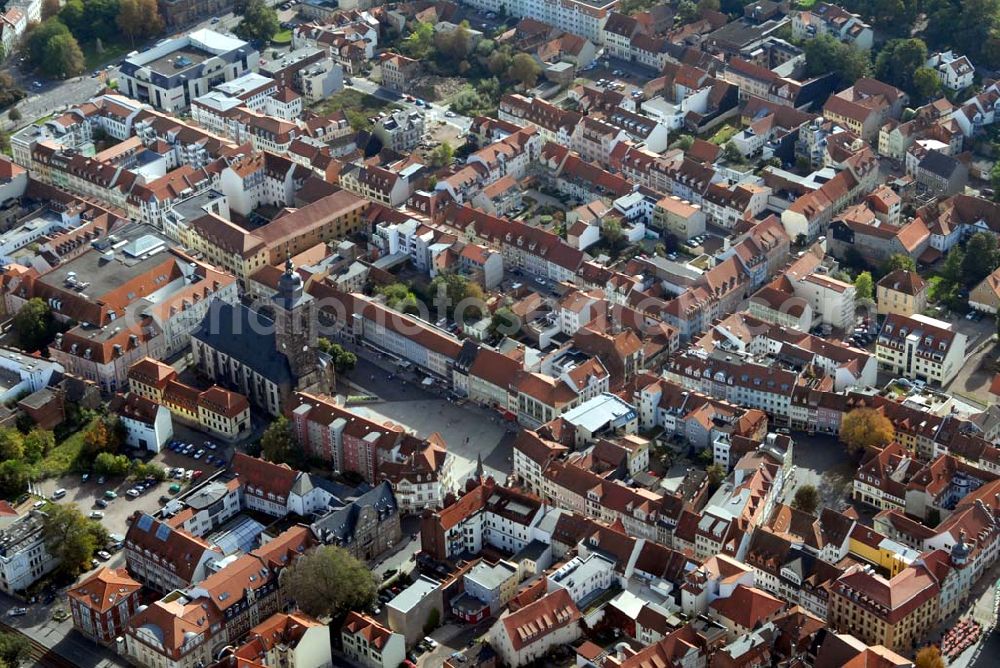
pixel 145 522
pixel 162 532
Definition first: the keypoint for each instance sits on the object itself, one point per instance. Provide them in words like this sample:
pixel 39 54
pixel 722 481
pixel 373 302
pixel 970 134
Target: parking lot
pixel 92 495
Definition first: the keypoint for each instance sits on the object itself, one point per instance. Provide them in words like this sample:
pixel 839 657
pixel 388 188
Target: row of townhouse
pixel 217 410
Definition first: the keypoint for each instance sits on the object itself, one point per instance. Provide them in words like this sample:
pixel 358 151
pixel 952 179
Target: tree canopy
pixel 278 443
pixel 329 581
pixel 139 18
pixel 930 657
pixel 980 258
pixel 71 537
pixel 898 60
pixel 259 24
pixel 343 360
pixel 14 649
pixel 898 261
pixel 524 70
pixel 35 325
pixel 827 54
pixel 806 499
pixel 866 428
pixel 864 285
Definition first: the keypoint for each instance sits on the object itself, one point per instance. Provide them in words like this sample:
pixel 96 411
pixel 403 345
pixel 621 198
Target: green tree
pixel 63 57
pixel 259 24
pixel 454 45
pixel 967 25
pixel 865 428
pixel 106 463
pixel 278 444
pixel 926 84
pixel 687 11
pixel 504 322
pixel 38 443
pixel 419 44
pixel 11 444
pixel 898 261
pixel 611 230
pixel 14 478
pixel 329 581
pixel 14 649
pixel 498 62
pixel 71 538
pixel 143 470
pixel 14 114
pixel 343 360
pixel 709 6
pixel 951 270
pixel 485 48
pixel 980 258
pixel 864 286
pixel 806 499
pixel 827 54
pixel 524 70
pixel 38 39
pixel 34 325
pixel 731 153
pixel 716 474
pixel 398 296
pixel 442 155
pixel 684 142
pixel 898 60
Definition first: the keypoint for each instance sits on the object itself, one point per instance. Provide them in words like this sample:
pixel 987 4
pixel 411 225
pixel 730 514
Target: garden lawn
pixel 723 134
pixel 63 458
pixel 111 52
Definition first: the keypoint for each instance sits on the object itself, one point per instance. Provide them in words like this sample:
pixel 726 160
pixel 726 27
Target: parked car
pixel 133 493
pixel 17 612
pixel 58 494
pixel 85 477
pixel 96 515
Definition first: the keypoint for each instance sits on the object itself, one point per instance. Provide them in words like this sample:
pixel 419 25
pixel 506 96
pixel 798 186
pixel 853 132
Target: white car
pixel 133 493
pixel 96 515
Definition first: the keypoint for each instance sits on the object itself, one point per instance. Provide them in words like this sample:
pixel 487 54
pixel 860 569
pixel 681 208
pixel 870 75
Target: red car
pixel 196 475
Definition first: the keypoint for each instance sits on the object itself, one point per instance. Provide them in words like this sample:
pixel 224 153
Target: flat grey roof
pixel 412 595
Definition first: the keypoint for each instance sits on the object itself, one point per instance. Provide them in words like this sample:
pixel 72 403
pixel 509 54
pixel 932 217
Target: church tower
pixel 295 325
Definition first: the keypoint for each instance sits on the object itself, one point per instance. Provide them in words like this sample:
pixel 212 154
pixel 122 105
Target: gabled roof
pixel 540 618
pixel 104 589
